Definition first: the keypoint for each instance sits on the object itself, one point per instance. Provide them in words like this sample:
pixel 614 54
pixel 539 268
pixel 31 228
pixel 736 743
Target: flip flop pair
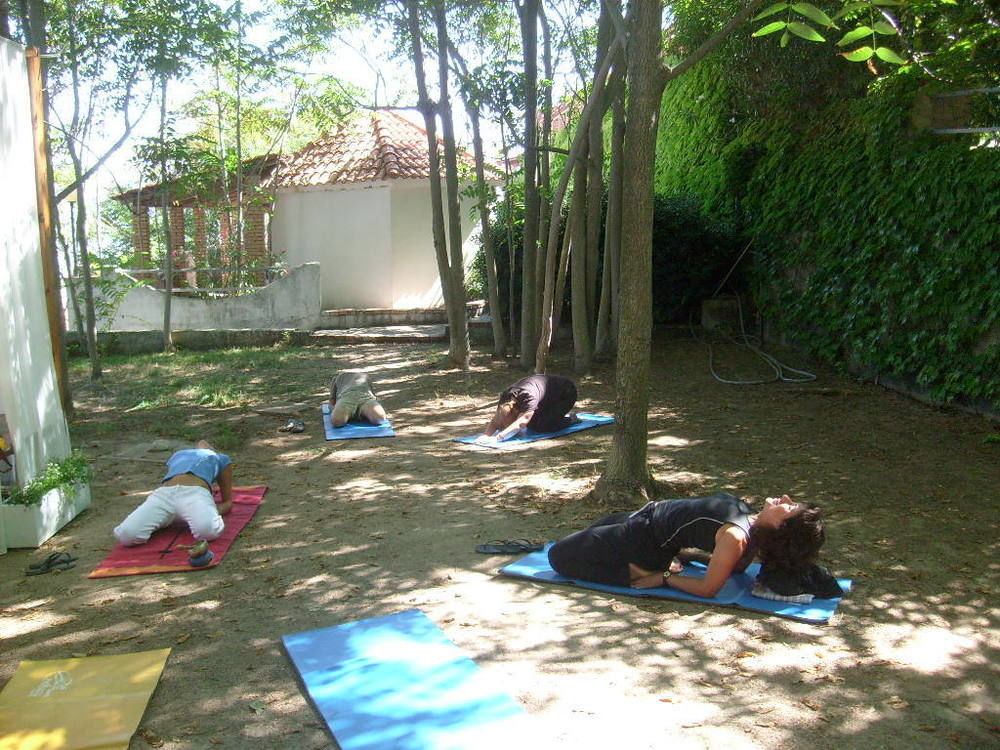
pixel 55 561
pixel 507 547
pixel 293 425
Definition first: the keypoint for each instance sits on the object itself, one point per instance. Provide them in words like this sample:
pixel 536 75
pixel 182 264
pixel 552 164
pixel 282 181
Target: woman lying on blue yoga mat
pixel 641 549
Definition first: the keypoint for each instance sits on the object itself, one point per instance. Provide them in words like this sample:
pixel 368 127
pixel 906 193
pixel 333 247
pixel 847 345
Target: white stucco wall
pixel 346 230
pixel 292 301
pixel 28 391
pixel 374 242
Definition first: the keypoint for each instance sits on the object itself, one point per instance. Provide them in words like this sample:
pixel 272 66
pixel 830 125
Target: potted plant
pixel 33 513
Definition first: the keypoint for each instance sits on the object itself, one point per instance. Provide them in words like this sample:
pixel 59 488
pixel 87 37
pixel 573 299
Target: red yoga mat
pixel 162 553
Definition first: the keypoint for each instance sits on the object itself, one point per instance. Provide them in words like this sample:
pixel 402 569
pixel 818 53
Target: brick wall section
pixel 200 253
pixel 140 245
pixel 182 258
pixel 140 237
pixel 254 240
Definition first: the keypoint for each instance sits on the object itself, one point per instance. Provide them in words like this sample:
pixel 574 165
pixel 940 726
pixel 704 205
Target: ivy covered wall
pixel 876 245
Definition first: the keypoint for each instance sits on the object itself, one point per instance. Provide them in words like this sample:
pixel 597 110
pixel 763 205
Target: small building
pixel 359 203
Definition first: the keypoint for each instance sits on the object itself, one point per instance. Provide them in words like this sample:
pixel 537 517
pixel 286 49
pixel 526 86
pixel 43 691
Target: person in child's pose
pixel 185 493
pixel 540 402
pixel 351 395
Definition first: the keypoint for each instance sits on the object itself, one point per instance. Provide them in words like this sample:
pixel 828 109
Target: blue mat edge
pixel 823 609
pixel 354 429
pixel 589 421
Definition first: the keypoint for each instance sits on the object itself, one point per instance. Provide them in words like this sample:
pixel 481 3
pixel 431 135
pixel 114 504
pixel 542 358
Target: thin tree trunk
pixel 482 189
pixel 579 141
pixel 33 13
pixel 626 473
pixel 544 165
pixel 595 172
pixel 88 286
pixel 168 254
pixel 579 270
pixel 80 219
pixel 528 12
pixel 458 339
pixel 5 19
pixel 607 315
pixel 437 201
pixel 241 276
pixel 69 255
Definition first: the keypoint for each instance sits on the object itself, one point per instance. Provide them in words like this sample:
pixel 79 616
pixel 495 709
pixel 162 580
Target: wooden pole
pixel 43 193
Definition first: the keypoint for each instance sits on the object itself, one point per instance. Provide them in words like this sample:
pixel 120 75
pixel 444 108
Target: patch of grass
pixel 226 437
pixel 151 403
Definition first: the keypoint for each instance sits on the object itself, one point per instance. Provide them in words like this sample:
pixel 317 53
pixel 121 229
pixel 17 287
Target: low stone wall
pixel 372 317
pixel 292 301
pixel 146 342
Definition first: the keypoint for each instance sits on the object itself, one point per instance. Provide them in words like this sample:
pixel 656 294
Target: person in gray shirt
pixel 352 397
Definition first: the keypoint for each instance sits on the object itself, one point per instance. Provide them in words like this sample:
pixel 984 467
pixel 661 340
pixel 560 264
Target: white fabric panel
pixel 28 390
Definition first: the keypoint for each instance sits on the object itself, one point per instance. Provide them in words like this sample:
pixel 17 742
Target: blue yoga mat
pixel 529 436
pixel 735 592
pixel 354 429
pixel 397 682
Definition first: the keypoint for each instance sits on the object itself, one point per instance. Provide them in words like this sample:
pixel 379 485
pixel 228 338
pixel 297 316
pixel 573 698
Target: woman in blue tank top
pixel 640 549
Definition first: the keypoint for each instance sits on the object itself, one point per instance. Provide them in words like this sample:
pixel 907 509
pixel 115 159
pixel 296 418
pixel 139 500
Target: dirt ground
pixel 355 529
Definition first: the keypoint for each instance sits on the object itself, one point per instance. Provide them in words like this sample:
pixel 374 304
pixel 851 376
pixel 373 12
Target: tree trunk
pixel 579 143
pixel 528 12
pixel 168 254
pixel 544 169
pixel 5 19
pixel 482 189
pixel 626 473
pixel 595 173
pixel 579 270
pixel 437 201
pixel 36 35
pixel 69 254
pixel 88 285
pixel 607 315
pixel 458 328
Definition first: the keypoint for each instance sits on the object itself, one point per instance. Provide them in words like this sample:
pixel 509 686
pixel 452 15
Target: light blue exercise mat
pixel 354 429
pixel 396 682
pixel 529 436
pixel 735 592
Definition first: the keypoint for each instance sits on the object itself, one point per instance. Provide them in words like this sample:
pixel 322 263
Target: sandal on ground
pixel 293 425
pixel 55 561
pixel 56 558
pixel 507 547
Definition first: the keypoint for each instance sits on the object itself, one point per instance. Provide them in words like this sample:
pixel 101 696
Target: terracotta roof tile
pixel 379 145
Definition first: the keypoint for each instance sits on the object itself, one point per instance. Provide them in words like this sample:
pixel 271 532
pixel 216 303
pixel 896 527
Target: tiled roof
pixel 378 145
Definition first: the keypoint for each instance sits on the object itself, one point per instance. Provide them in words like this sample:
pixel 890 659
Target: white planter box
pixel 32 525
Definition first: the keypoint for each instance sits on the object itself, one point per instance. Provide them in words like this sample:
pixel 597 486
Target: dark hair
pixel 794 545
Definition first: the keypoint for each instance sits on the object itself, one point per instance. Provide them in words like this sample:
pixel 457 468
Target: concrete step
pixel 381 334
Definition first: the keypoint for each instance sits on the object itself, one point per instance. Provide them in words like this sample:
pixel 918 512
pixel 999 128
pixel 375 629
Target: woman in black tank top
pixel 639 549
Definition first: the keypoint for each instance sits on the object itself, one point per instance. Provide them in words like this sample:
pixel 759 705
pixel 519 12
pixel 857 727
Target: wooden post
pixel 43 193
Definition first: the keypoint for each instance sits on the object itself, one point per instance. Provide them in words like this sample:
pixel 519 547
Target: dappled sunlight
pixel 670 441
pixel 928 650
pixel 361 528
pixel 31 622
pixel 348 454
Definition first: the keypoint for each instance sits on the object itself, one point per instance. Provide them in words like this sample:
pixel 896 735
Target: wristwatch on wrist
pixel 666 575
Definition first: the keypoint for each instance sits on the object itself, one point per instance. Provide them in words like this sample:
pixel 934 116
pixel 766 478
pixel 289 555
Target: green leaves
pixel 813 13
pixel 884 53
pixel 770 28
pixel 859 55
pixel 805 31
pixel 794 27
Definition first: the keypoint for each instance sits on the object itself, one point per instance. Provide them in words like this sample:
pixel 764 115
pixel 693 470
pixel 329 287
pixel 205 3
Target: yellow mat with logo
pixel 87 703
